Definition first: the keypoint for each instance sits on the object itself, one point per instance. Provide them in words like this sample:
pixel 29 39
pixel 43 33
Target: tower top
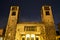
pixel 14 7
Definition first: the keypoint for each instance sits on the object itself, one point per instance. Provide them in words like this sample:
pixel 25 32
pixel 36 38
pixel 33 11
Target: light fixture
pixel 27 35
pixel 32 35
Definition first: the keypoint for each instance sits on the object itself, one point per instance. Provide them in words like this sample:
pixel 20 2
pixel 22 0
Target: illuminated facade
pixel 30 31
pixel 44 30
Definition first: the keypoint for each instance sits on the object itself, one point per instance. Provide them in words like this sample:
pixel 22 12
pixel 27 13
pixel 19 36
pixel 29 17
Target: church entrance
pixel 30 37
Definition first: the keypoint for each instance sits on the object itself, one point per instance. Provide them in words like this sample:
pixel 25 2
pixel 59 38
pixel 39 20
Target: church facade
pixel 44 30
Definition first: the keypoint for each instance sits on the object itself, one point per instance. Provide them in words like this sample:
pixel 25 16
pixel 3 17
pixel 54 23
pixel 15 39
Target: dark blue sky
pixel 29 10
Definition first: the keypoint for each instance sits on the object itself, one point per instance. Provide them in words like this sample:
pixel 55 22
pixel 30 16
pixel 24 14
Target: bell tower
pixel 46 14
pixel 12 22
pixel 47 19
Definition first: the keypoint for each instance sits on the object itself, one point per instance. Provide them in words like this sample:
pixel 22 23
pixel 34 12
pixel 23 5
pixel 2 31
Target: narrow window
pixel 46 8
pixel 13 13
pixel 47 13
pixel 29 28
pixel 14 8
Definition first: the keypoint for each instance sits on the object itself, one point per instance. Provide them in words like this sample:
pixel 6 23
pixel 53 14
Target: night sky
pixel 29 10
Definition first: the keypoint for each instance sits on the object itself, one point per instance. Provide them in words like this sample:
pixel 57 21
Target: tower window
pixel 46 8
pixel 47 13
pixel 14 8
pixel 13 13
pixel 30 28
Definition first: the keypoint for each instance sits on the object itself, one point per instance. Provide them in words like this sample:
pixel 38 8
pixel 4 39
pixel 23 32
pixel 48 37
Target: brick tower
pixel 12 22
pixel 47 19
